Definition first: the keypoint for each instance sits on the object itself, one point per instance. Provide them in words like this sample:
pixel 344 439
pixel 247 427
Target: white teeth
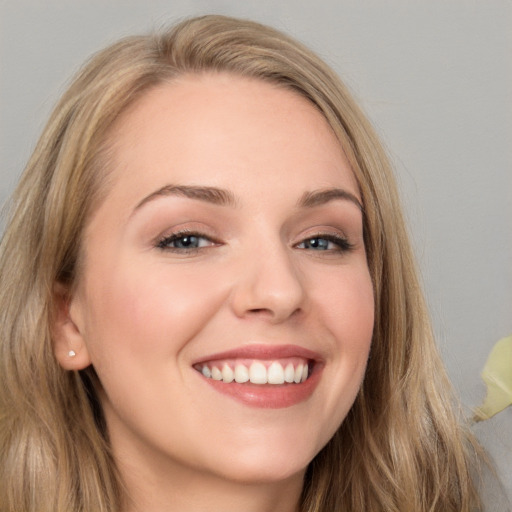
pixel 227 373
pixel 298 373
pixel 216 373
pixel 258 373
pixel 241 373
pixel 275 373
pixel 289 373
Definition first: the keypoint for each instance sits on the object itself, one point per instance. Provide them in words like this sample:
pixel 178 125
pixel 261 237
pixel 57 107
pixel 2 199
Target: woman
pixel 209 299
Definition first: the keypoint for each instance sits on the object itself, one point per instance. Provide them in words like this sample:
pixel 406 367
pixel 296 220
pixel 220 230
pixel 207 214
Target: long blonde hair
pixel 401 447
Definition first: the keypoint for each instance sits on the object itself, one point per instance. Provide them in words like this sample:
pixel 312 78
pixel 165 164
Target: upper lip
pixel 264 352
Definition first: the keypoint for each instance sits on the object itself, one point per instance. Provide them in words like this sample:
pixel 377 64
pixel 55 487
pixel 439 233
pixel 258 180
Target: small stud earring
pixel 71 353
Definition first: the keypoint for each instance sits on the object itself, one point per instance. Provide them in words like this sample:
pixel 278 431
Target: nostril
pixel 260 310
pixel 273 315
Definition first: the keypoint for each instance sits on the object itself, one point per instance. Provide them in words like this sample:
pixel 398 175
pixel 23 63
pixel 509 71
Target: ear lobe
pixel 69 346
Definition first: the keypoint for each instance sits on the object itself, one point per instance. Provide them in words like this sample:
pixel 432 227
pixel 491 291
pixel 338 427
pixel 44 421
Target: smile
pixel 290 370
pixel 263 376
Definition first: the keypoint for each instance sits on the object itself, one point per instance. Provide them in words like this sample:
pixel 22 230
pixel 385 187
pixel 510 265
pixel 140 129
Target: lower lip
pixel 268 396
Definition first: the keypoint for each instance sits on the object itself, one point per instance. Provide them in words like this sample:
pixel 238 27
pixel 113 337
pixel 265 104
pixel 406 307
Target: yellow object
pixel 497 374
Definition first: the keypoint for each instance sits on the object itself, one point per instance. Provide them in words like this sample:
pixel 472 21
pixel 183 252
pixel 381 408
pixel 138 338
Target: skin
pixel 143 314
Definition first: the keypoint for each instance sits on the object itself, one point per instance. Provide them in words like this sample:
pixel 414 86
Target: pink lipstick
pixel 265 376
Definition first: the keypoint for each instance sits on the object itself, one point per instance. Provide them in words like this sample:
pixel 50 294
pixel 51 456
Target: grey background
pixel 435 77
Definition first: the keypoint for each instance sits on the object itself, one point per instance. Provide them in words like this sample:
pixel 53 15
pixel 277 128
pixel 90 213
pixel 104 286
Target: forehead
pixel 218 128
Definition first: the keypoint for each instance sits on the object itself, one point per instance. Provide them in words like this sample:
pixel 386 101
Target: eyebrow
pixel 222 197
pixel 320 197
pixel 212 195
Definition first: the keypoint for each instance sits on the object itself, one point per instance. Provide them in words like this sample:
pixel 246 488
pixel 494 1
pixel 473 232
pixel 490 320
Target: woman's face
pixel 229 246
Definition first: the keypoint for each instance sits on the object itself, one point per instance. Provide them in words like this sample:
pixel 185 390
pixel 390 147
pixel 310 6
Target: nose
pixel 268 284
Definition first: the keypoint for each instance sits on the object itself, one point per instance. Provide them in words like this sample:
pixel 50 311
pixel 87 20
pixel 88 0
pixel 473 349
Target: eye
pixel 185 242
pixel 326 242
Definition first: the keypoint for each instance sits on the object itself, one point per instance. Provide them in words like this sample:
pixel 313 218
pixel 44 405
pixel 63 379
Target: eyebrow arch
pixel 212 195
pixel 320 197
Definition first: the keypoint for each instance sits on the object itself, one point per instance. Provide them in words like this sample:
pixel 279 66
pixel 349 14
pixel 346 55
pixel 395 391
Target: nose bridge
pixel 268 281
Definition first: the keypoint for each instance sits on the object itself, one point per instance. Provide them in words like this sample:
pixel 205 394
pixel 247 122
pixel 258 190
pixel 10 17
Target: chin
pixel 266 471
pixel 266 461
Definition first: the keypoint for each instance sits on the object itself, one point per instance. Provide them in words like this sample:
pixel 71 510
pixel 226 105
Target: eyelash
pixel 343 245
pixel 164 243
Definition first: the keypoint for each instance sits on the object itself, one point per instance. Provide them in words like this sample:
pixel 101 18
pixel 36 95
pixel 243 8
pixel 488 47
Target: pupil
pixel 187 241
pixel 318 243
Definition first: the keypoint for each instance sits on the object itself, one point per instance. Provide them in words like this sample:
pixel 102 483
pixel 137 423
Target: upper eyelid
pixel 184 233
pixel 323 232
pixel 336 233
pixel 198 228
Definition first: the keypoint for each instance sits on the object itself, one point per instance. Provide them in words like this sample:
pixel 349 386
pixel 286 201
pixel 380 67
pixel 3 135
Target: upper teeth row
pixel 257 373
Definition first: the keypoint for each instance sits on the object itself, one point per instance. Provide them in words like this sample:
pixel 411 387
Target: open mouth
pixel 263 376
pixel 290 370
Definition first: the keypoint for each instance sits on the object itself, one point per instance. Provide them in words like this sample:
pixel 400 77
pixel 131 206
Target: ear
pixel 68 343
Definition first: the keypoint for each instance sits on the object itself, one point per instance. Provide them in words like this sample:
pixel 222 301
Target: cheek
pixel 346 315
pixel 346 306
pixel 147 314
pixel 342 315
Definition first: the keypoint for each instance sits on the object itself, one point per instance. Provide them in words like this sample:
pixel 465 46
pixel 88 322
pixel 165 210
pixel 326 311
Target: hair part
pixel 401 446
